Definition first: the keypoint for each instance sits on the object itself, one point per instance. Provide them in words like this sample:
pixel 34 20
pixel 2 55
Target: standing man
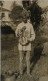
pixel 26 35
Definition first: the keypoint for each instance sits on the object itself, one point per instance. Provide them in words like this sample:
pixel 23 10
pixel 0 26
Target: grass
pixel 10 59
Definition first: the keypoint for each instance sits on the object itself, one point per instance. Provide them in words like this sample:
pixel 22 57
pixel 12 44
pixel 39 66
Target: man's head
pixel 24 19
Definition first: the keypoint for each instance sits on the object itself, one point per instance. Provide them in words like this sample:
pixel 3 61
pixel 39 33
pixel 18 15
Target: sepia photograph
pixel 24 40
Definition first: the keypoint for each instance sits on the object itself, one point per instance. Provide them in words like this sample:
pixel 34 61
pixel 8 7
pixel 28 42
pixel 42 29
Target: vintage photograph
pixel 24 40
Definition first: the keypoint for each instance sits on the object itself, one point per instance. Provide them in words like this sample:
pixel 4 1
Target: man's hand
pixel 24 41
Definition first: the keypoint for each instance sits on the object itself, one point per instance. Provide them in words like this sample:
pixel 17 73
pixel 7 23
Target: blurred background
pixel 10 16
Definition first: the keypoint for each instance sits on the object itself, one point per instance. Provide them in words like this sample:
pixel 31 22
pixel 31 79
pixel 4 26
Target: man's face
pixel 25 20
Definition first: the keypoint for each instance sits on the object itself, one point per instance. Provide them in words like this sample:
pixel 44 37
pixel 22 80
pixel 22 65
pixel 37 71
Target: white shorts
pixel 24 48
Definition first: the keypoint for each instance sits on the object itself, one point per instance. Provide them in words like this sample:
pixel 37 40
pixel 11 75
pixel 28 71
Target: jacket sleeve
pixel 32 34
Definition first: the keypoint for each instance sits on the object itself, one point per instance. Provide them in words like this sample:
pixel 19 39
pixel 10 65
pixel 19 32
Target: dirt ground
pixel 10 60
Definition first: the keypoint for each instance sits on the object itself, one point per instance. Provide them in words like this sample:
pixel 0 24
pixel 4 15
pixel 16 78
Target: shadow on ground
pixel 37 54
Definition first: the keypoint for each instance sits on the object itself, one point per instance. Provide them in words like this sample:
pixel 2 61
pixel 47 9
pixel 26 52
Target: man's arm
pixel 32 34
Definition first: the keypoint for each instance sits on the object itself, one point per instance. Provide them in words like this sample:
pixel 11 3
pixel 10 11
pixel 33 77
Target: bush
pixel 16 12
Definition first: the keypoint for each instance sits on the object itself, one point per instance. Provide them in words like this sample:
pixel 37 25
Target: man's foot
pixel 30 75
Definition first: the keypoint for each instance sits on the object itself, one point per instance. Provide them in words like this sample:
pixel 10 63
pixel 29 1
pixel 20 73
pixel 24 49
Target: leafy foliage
pixel 16 12
pixel 25 4
pixel 36 12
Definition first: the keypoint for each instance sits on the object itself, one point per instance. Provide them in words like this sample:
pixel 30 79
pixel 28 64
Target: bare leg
pixel 21 62
pixel 28 61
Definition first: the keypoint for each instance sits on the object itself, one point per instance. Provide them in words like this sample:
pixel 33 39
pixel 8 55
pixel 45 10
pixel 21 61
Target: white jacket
pixel 29 33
